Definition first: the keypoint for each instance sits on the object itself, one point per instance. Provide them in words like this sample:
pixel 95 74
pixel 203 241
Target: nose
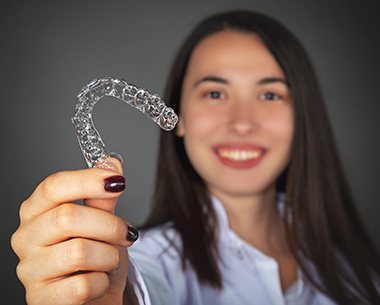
pixel 243 119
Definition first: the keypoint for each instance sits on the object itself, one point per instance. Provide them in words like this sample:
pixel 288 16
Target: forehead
pixel 231 50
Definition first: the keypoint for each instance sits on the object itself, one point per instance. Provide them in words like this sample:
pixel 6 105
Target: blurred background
pixel 50 49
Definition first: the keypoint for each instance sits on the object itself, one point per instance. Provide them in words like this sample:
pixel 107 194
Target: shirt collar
pixel 230 239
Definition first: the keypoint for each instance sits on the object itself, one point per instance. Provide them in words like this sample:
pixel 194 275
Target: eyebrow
pixel 215 79
pixel 269 80
pixel 263 81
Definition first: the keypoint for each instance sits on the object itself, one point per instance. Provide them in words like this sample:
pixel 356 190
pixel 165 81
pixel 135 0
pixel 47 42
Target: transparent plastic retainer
pixel 90 142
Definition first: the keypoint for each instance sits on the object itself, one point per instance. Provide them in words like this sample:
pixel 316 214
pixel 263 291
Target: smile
pixel 240 156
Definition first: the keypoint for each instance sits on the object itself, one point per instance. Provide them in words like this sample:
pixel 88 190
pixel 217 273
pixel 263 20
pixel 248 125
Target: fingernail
pixel 114 184
pixel 132 234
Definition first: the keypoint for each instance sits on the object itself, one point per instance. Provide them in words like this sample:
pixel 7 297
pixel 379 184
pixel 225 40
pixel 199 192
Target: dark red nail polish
pixel 132 234
pixel 114 184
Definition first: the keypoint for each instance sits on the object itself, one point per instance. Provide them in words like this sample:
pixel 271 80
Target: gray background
pixel 50 49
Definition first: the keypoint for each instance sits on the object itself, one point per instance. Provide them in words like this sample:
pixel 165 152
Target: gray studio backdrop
pixel 50 49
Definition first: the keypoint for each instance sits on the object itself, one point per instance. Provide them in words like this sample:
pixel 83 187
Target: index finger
pixel 68 186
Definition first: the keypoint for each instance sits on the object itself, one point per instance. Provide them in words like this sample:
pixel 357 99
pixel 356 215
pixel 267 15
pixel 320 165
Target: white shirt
pixel 249 276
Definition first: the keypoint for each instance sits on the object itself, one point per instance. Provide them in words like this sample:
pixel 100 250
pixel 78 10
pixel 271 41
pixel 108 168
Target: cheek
pixel 200 122
pixel 281 125
pixel 201 127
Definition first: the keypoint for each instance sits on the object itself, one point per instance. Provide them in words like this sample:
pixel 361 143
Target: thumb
pixel 114 165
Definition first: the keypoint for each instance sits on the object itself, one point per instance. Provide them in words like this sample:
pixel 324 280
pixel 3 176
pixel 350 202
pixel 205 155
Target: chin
pixel 240 190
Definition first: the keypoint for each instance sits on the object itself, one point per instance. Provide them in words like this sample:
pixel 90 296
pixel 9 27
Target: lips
pixel 240 156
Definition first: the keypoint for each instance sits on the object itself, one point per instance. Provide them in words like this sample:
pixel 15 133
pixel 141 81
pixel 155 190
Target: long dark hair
pixel 325 230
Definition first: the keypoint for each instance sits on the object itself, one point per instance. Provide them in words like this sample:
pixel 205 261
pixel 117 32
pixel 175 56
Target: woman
pixel 251 205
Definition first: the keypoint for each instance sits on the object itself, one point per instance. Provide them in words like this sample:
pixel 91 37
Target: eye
pixel 215 95
pixel 270 96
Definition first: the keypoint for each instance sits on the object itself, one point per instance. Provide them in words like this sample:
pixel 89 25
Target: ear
pixel 180 130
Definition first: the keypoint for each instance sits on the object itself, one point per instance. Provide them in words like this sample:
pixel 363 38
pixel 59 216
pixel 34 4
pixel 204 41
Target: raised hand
pixel 71 253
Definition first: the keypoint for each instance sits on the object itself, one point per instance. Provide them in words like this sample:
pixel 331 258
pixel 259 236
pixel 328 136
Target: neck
pixel 254 218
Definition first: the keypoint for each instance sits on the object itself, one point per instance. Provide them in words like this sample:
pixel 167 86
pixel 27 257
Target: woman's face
pixel 236 115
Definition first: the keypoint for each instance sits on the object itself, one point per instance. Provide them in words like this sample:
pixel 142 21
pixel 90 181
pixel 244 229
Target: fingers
pixel 113 163
pixel 51 266
pixel 73 290
pixel 73 220
pixel 69 257
pixel 57 238
pixel 68 186
pixel 106 204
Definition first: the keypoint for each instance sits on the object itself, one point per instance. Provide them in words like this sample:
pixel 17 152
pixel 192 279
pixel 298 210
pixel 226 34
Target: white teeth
pixel 240 155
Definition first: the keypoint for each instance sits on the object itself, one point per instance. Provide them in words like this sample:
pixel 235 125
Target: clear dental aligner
pixel 89 139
